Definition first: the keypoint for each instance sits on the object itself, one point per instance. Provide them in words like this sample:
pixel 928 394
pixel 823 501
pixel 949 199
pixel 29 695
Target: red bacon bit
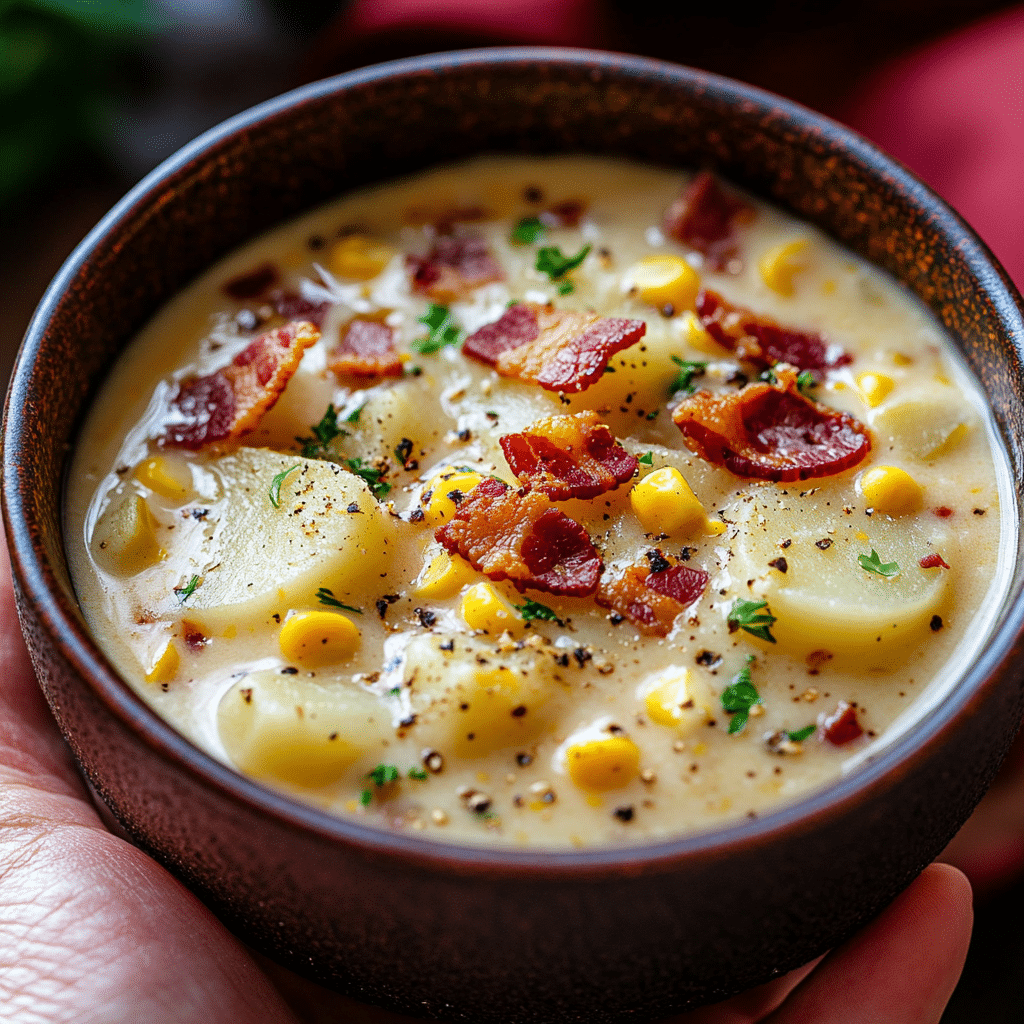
pixel 933 561
pixel 295 307
pixel 455 266
pixel 366 349
pixel 943 512
pixel 566 214
pixel 193 636
pixel 560 350
pixel 841 726
pixel 568 457
pixel 231 401
pixel 705 218
pixel 517 536
pixel 761 341
pixel 652 600
pixel 253 284
pixel 771 432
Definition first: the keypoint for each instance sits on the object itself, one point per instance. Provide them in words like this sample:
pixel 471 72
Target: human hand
pixel 92 930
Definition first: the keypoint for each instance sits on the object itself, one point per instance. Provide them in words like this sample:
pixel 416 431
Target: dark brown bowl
pixel 494 934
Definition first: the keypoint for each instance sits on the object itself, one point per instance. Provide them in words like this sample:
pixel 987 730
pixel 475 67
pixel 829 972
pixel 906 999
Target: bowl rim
pixel 69 635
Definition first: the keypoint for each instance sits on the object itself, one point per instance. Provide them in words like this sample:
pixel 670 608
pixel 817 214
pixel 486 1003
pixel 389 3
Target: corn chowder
pixel 541 501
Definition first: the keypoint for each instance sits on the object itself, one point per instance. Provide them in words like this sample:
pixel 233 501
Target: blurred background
pixel 95 93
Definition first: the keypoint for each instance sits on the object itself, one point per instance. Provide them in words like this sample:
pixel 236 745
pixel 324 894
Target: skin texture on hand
pixel 94 932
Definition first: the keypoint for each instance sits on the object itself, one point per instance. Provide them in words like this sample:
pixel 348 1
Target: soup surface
pixel 550 502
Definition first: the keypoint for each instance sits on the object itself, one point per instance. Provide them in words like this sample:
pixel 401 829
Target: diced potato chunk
pixel 125 539
pixel 170 479
pixel 927 425
pixel 165 665
pixel 286 729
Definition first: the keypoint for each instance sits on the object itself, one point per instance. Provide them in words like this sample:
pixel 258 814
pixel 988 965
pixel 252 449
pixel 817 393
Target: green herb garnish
pixel 805 381
pixel 383 774
pixel 442 331
pixel 535 611
pixel 353 416
pixel 419 774
pixel 748 616
pixel 380 488
pixel 323 433
pixel 688 369
pixel 275 485
pixel 647 459
pixel 739 697
pixel 553 262
pixel 366 797
pixel 566 287
pixel 324 596
pixel 185 592
pixel 652 415
pixel 527 231
pixel 872 563
pixel 801 734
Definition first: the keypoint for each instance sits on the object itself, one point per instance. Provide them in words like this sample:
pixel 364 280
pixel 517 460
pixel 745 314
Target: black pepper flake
pixel 582 656
pixel 426 616
pixel 533 194
pixel 615 618
pixel 456 496
pixel 289 670
pixel 417 515
pixel 518 711
pixel 384 602
pixel 563 660
pixel 246 694
pixel 708 658
pixel 739 379
pixel 668 311
pixel 407 721
pixel 779 563
pixel 353 507
pixel 432 761
pixel 659 563
pixel 624 813
pixel 448 645
pixel 936 623
pixel 465 434
pixel 979 511
pixel 824 544
pixel 785 544
pixel 200 513
pixel 524 760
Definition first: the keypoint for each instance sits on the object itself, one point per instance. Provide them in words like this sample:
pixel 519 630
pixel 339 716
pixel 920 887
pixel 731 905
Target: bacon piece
pixel 366 349
pixel 252 284
pixel 761 341
pixel 652 598
pixel 568 457
pixel 933 561
pixel 454 267
pixel 841 726
pixel 518 536
pixel 231 401
pixel 771 432
pixel 566 214
pixel 558 349
pixel 295 307
pixel 704 218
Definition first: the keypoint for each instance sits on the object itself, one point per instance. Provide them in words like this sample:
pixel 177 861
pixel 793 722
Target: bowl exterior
pixel 455 932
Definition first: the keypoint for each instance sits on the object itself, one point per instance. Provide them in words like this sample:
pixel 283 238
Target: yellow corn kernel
pixel 891 490
pixel 874 387
pixel 444 576
pixel 484 608
pixel 669 701
pixel 166 480
pixel 664 503
pixel 132 543
pixel 318 638
pixel 603 764
pixel 900 359
pixel 781 263
pixel 165 665
pixel 955 436
pixel 828 287
pixel 439 507
pixel 665 280
pixel 359 257
pixel 695 336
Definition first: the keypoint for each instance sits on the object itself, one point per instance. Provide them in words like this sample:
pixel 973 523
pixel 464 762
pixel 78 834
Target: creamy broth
pixel 298 602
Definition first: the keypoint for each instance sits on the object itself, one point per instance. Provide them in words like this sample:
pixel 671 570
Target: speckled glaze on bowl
pixel 492 934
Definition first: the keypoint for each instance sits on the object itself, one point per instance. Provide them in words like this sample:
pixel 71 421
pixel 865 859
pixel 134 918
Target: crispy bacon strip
pixel 568 457
pixel 558 349
pixel 517 536
pixel 231 401
pixel 771 432
pixel 761 341
pixel 454 267
pixel 366 349
pixel 652 598
pixel 705 218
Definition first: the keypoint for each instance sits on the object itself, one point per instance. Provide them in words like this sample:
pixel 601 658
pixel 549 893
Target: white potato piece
pixel 125 542
pixel 290 729
pixel 927 425
pixel 255 560
pixel 825 600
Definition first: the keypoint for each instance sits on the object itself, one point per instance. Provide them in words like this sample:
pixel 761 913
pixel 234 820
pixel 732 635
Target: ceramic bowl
pixel 496 934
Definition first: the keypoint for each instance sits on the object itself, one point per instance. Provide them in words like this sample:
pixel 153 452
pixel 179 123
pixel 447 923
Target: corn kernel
pixel 440 507
pixel 359 258
pixel 874 387
pixel 828 287
pixel 696 337
pixel 603 764
pixel 891 490
pixel 669 701
pixel 484 608
pixel 131 543
pixel 664 503
pixel 781 263
pixel 665 280
pixel 165 665
pixel 318 638
pixel 166 480
pixel 444 576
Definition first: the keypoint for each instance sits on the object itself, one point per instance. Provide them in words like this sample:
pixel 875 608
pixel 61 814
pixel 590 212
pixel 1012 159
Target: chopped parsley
pixel 185 592
pixel 275 485
pixel 379 487
pixel 419 774
pixel 353 416
pixel 324 596
pixel 872 563
pixel 527 231
pixel 566 287
pixel 652 415
pixel 324 432
pixel 739 697
pixel 366 797
pixel 441 331
pixel 553 262
pixel 647 459
pixel 805 381
pixel 749 616
pixel 688 370
pixel 801 734
pixel 533 611
pixel 383 774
